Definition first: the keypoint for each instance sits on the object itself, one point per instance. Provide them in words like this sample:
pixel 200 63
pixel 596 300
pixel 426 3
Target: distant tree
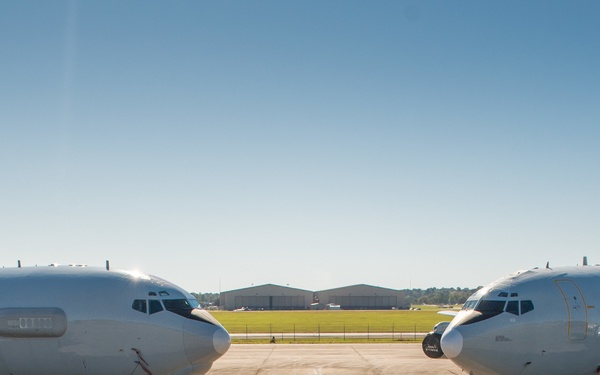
pixel 207 299
pixel 438 296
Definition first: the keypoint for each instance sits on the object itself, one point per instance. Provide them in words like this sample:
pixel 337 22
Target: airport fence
pixel 328 332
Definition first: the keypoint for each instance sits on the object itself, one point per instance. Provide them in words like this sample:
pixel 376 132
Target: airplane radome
pixel 94 321
pixel 541 321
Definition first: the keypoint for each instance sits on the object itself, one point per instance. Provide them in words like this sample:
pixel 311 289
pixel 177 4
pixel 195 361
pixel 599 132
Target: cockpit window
pixel 155 306
pixel 490 307
pixel 512 307
pixel 142 305
pixel 179 306
pixel 139 305
pixel 184 308
pixel 487 309
pixel 469 305
pixel 526 306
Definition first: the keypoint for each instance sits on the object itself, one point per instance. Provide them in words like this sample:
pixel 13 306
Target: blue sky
pixel 311 143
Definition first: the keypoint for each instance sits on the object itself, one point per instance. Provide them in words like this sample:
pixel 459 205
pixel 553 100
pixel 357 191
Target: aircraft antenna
pixel 585 261
pixel 107 265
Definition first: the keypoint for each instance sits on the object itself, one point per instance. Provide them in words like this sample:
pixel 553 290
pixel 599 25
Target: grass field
pixel 329 321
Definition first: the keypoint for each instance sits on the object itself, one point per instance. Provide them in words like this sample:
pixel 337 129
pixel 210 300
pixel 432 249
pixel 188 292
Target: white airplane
pixel 63 320
pixel 541 321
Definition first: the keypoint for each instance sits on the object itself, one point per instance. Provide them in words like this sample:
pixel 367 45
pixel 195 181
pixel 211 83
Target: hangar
pixel 267 297
pixel 363 297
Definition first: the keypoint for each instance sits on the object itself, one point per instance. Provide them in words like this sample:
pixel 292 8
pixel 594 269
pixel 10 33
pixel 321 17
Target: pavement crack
pixel 265 361
pixel 372 367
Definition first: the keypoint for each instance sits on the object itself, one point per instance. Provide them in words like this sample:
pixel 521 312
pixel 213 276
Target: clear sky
pixel 220 144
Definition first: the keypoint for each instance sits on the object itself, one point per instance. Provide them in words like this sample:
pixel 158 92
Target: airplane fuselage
pixel 541 321
pixel 69 320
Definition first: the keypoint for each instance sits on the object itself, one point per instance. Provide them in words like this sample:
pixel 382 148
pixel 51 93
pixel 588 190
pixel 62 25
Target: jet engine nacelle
pixel 431 343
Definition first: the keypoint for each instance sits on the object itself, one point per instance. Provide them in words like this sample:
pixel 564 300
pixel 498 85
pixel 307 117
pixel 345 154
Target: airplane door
pixel 576 309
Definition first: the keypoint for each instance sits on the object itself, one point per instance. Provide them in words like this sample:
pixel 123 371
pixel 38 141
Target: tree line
pixel 207 299
pixel 438 296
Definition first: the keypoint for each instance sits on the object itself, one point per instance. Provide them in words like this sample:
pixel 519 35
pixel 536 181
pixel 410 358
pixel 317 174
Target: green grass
pixel 329 321
pixel 325 340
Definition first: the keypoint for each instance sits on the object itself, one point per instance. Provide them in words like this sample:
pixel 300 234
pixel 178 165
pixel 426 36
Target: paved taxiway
pixel 317 359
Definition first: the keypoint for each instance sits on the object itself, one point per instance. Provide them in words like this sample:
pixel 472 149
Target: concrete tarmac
pixel 329 359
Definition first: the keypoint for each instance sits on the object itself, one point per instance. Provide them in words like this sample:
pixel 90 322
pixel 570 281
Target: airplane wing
pixel 448 312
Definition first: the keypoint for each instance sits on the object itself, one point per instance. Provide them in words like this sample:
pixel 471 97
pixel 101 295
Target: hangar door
pixel 365 302
pixel 271 302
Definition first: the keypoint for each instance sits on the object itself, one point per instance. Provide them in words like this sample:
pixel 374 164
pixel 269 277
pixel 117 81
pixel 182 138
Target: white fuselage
pixel 90 321
pixel 541 321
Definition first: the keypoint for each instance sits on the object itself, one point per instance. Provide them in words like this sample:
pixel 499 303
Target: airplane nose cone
pixel 221 341
pixel 204 342
pixel 452 343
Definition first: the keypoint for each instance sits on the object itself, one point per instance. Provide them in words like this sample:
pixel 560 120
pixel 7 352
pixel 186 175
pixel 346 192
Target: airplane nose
pixel 221 341
pixel 452 343
pixel 205 342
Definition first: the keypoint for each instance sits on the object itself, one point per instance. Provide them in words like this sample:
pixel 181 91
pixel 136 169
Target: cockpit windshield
pixel 470 305
pixel 488 308
pixel 182 307
pixel 178 306
pixel 187 308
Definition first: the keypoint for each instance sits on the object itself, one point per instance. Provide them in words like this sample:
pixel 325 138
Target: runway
pixel 317 359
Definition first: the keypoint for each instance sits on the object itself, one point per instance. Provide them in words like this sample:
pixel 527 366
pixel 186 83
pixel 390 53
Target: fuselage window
pixel 526 306
pixel 155 306
pixel 139 305
pixel 512 307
